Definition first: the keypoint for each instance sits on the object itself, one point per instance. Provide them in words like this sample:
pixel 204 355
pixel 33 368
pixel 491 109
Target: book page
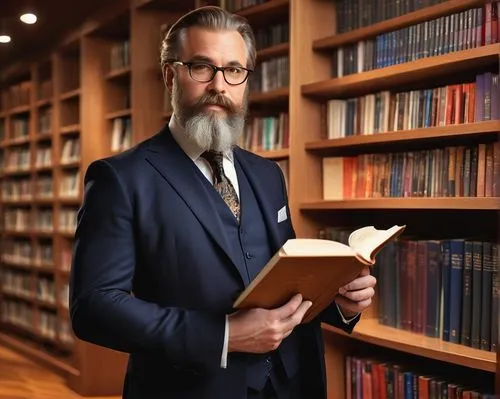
pixel 368 241
pixel 316 247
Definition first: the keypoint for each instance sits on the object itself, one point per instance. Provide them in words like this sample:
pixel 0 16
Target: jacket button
pixel 248 255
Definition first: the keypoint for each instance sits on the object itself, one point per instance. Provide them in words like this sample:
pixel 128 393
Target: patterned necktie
pixel 222 184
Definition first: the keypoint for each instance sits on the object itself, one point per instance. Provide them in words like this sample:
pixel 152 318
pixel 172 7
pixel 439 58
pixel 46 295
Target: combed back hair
pixel 210 18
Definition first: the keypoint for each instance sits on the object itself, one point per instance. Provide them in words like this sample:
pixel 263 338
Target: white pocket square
pixel 282 214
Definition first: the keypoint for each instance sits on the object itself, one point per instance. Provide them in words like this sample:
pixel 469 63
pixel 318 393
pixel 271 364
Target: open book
pixel 315 268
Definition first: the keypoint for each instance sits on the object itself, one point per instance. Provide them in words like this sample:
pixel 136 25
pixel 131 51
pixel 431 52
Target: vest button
pixel 248 255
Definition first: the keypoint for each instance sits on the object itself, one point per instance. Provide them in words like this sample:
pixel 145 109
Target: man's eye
pixel 201 67
pixel 235 70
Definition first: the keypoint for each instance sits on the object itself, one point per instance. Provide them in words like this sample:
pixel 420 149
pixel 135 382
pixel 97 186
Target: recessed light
pixel 4 39
pixel 28 18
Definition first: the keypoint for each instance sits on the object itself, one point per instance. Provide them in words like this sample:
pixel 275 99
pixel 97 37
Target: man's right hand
pixel 261 330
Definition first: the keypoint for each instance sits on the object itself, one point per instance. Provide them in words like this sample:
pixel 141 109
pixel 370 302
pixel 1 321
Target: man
pixel 172 231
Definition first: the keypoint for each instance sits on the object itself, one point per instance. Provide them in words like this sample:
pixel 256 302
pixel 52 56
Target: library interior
pixel 375 112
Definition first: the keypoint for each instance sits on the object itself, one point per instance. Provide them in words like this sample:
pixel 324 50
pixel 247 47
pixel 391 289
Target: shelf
pixel 70 165
pixel 17 141
pixel 273 51
pixel 393 76
pixel 21 109
pixel 273 96
pixel 274 154
pixel 44 102
pixel 69 95
pixel 270 11
pixel 463 203
pixel 43 136
pixel 439 132
pixel 33 352
pixel 412 18
pixel 70 129
pixel 119 74
pixel 370 331
pixel 119 114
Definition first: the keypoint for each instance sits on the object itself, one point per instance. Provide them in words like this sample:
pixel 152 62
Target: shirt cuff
pixel 223 361
pixel 346 321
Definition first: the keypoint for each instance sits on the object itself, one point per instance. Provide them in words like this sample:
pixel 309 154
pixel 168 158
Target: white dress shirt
pixel 194 153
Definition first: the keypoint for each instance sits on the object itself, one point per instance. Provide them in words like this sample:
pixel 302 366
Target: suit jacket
pixel 153 276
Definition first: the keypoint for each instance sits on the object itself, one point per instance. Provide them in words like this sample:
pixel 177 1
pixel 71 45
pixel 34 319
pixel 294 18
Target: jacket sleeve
pixel 103 308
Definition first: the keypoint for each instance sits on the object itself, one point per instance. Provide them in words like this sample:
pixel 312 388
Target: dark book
pixel 477 265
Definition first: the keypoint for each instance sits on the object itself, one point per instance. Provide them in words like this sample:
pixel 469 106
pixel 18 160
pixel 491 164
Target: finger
pixel 365 271
pixel 359 295
pixel 288 308
pixel 296 318
pixel 354 307
pixel 359 284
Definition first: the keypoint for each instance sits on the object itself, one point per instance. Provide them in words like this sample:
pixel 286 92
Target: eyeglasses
pixel 204 72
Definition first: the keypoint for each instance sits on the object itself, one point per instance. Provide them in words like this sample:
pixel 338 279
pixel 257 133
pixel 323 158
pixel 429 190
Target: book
pixel 315 268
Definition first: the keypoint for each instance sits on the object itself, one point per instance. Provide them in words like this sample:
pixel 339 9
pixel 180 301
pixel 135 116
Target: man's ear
pixel 168 76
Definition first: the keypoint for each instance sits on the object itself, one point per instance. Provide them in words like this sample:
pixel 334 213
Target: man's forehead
pixel 207 42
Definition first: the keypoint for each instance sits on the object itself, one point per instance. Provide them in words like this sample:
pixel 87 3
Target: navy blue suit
pixel 151 224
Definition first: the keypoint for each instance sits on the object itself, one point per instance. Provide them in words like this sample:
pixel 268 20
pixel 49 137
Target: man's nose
pixel 218 83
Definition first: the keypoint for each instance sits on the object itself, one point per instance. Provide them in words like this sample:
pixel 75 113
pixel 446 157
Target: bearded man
pixel 172 230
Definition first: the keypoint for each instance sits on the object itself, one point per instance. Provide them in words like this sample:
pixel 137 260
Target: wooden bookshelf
pixel 273 51
pixel 403 74
pixel 311 50
pixel 270 97
pixel 369 330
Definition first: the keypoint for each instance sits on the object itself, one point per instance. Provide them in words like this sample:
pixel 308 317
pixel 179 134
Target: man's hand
pixel 261 330
pixel 356 296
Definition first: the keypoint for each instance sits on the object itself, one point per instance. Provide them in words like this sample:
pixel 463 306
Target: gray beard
pixel 214 132
pixel 208 130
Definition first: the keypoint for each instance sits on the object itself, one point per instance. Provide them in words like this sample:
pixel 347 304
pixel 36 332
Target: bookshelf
pixel 430 217
pixel 99 91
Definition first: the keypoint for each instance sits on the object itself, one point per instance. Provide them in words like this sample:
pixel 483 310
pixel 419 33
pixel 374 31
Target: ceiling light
pixel 4 39
pixel 28 18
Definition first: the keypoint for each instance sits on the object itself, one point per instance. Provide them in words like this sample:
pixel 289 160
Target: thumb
pixel 289 308
pixel 365 271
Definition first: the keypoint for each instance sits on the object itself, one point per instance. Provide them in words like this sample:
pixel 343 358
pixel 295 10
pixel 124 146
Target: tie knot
pixel 214 158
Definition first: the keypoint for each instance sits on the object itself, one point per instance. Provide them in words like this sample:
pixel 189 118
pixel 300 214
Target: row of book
pixel 236 5
pixel 119 55
pixel 69 187
pixel 22 315
pixel 121 134
pixel 20 128
pixel 22 252
pixel 369 378
pixel 17 159
pixel 447 289
pixel 355 14
pixel 17 283
pixel 45 121
pixel 454 32
pixel 15 95
pixel 43 157
pixel 387 111
pixel 22 220
pixel 270 75
pixel 455 171
pixel 267 133
pixel 272 35
pixel 16 189
pixel 71 151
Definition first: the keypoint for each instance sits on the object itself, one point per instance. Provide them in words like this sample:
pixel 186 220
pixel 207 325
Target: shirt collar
pixel 191 149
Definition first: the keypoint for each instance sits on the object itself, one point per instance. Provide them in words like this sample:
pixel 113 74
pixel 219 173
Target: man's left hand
pixel 356 296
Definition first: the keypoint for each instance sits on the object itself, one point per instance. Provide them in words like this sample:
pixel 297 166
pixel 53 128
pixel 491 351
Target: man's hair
pixel 211 18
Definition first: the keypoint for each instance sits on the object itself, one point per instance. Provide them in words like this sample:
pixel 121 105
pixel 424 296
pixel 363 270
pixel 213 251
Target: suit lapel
pixel 262 192
pixel 175 166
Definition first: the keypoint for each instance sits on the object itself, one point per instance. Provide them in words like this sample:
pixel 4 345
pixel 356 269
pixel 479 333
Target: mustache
pixel 217 99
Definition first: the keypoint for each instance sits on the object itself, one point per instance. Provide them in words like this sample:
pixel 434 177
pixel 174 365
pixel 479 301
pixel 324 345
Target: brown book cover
pixel 315 268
